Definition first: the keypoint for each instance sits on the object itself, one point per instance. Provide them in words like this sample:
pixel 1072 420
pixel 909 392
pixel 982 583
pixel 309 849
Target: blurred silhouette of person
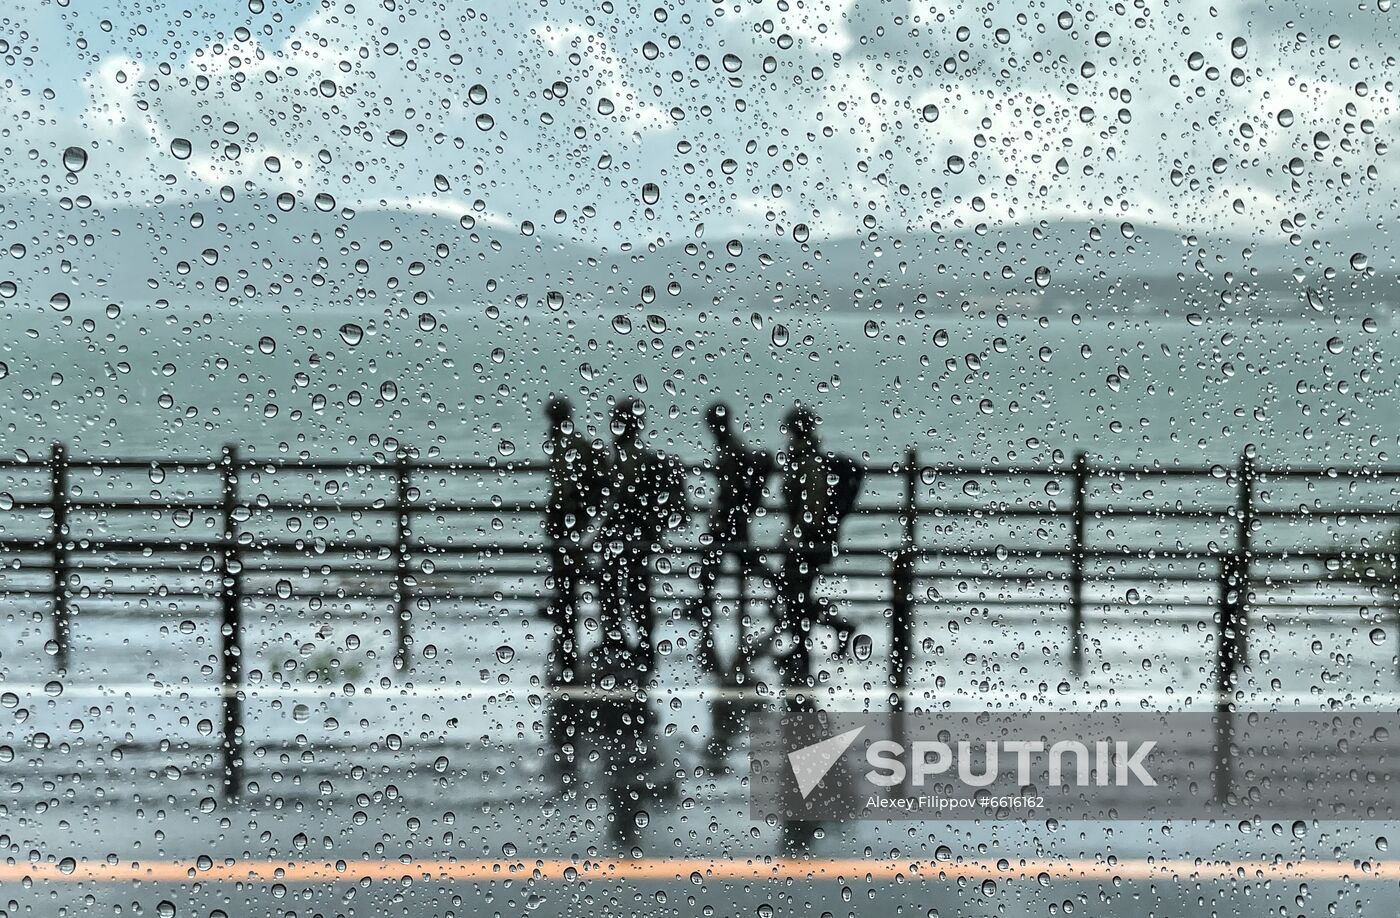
pixel 740 476
pixel 577 471
pixel 645 497
pixel 819 490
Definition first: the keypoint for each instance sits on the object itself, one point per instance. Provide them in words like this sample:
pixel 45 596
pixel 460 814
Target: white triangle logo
pixel 811 763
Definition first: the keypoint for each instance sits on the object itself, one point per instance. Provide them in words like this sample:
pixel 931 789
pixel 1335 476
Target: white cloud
pixel 1103 120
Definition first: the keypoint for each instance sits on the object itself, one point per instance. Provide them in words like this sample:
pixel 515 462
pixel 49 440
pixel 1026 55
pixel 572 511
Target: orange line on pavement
pixel 689 870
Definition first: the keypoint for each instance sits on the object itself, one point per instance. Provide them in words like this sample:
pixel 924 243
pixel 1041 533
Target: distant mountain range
pixel 251 254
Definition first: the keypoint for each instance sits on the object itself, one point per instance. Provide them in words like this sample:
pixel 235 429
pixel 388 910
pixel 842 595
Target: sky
pixel 599 122
pixel 797 193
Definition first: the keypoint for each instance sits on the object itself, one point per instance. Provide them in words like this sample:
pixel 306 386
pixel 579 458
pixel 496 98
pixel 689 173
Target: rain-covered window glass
pixel 698 457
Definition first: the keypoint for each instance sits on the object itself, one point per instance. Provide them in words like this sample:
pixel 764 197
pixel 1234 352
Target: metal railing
pixel 1091 523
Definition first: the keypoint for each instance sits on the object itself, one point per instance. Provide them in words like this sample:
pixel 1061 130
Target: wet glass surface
pixel 431 431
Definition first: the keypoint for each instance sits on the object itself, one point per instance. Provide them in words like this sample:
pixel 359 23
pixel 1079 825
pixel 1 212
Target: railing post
pixel 902 585
pixel 1076 563
pixel 231 628
pixel 1234 583
pixel 743 657
pixel 1233 632
pixel 402 528
pixel 58 539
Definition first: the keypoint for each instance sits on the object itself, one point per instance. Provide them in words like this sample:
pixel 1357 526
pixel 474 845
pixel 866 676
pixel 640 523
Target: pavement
pixel 466 785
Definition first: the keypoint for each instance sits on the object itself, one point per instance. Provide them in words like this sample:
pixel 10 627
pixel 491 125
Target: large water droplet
pixel 75 159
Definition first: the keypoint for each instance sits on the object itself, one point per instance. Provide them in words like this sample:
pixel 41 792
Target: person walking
pixel 819 490
pixel 644 498
pixel 740 476
pixel 578 469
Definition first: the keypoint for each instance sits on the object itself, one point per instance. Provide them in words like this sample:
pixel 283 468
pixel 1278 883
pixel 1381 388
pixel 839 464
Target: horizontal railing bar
pixel 1103 606
pixel 162 594
pixel 316 550
pixel 537 507
pixel 387 464
pixel 430 505
pixel 1059 602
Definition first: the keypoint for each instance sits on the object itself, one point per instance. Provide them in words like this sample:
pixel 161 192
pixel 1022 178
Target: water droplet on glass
pixel 75 159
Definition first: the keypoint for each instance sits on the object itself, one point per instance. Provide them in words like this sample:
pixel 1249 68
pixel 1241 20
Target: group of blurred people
pixel 610 506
